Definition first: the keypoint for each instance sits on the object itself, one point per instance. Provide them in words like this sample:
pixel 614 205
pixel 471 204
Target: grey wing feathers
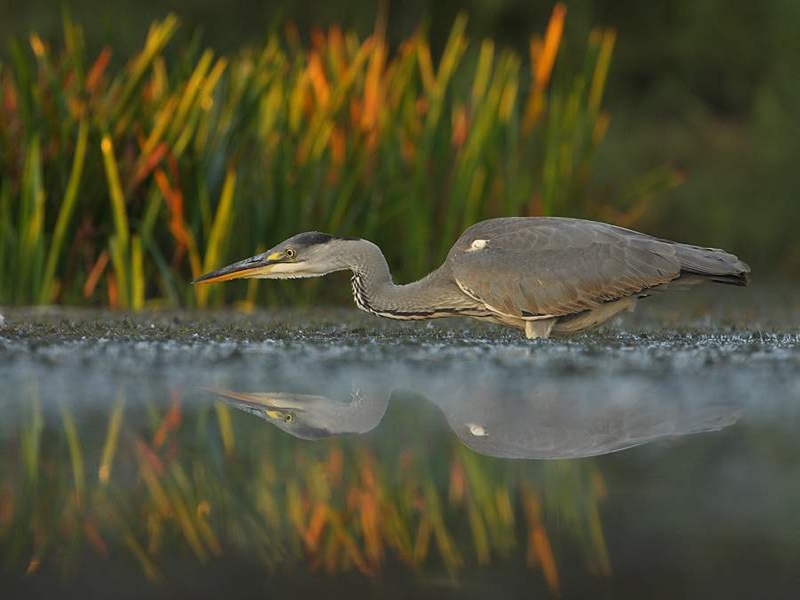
pixel 531 267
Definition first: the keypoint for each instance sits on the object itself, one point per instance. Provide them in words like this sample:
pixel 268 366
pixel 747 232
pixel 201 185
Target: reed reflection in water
pixel 161 470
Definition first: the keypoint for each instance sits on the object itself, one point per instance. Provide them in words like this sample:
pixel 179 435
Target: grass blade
pixel 219 232
pixel 75 453
pixel 112 440
pixel 65 213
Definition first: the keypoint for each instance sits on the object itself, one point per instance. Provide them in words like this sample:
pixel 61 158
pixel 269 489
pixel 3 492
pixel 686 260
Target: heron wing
pixel 539 267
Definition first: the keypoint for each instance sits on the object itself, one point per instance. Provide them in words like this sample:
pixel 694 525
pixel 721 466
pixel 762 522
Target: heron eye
pixel 288 418
pixel 290 253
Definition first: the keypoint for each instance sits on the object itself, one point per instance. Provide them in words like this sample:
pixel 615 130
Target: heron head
pixel 310 254
pixel 308 416
pixel 296 414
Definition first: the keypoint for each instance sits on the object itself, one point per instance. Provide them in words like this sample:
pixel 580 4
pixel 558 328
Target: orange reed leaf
pixel 178 227
pixel 312 534
pixel 458 483
pixel 172 200
pixel 113 291
pixel 97 70
pixel 356 110
pixel 460 126
pixel 149 163
pixel 173 417
pixel 368 478
pixel 373 88
pixel 316 75
pixel 552 40
pixel 10 98
pixel 169 423
pixel 95 273
pixel 544 552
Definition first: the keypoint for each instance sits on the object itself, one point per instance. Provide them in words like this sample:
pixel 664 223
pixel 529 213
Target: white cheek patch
pixel 283 268
pixel 478 245
pixel 285 271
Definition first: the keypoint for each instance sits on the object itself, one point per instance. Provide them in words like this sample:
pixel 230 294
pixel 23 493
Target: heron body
pixel 541 275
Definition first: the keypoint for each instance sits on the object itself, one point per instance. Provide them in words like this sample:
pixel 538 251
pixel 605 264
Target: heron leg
pixel 539 328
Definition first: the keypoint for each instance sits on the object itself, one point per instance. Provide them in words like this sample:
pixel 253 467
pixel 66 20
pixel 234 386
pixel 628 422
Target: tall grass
pixel 194 482
pixel 124 181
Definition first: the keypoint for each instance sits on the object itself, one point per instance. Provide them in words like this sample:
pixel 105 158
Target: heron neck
pixel 374 291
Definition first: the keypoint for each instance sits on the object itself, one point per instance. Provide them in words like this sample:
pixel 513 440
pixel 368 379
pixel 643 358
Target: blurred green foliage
pixel 702 93
pixel 155 483
pixel 123 182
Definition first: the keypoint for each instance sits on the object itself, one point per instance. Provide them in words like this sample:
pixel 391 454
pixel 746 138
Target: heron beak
pixel 255 266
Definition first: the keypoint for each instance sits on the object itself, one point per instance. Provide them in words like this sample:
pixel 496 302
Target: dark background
pixel 710 87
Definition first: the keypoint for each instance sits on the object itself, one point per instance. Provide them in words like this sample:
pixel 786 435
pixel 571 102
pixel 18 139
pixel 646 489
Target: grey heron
pixel 498 420
pixel 541 275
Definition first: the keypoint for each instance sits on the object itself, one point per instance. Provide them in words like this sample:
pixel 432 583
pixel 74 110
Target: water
pixel 328 452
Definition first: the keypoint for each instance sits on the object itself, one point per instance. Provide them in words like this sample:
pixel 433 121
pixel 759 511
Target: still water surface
pixel 327 453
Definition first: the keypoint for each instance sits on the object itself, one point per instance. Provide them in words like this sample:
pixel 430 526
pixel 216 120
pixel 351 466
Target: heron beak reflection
pixel 275 406
pixel 259 266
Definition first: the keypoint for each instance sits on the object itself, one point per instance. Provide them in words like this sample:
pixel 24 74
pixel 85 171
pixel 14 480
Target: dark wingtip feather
pixel 740 279
pixel 713 264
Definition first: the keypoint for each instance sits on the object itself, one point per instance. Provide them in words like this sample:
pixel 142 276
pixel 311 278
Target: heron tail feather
pixel 712 264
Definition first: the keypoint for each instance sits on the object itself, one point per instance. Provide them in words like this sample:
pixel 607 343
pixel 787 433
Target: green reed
pixel 124 180
pixel 157 482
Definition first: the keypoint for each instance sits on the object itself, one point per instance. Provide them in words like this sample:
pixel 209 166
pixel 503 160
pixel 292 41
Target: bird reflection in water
pixel 497 422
